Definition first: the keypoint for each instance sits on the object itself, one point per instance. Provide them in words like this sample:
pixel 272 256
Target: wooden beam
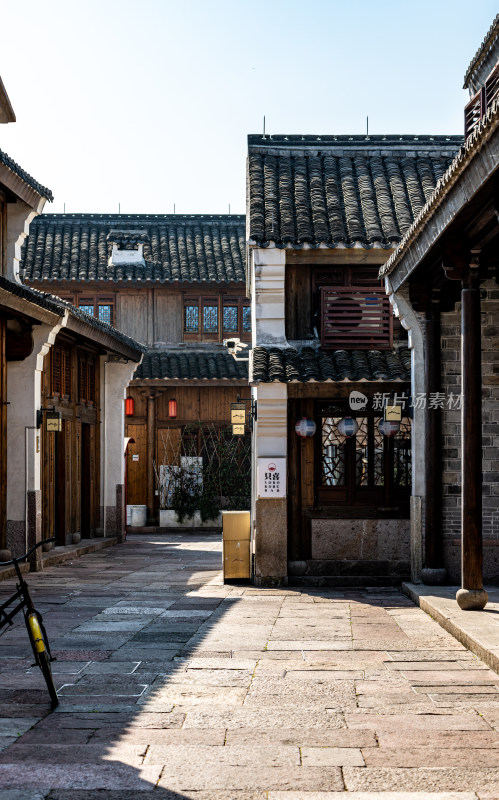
pixel 341 255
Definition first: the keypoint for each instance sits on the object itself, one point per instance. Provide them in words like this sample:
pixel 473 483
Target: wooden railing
pixel 481 102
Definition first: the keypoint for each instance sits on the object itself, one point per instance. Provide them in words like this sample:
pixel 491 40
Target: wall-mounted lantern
pixel 53 420
pixel 305 427
pixel 129 407
pixel 348 426
pixel 172 409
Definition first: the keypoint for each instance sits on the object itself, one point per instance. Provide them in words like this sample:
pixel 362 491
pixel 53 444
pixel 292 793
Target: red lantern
pixel 129 407
pixel 172 409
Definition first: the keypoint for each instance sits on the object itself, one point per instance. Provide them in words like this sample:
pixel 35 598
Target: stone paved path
pixel 175 685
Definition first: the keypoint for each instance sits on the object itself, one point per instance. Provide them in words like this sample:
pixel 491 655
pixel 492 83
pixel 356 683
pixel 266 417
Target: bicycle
pixel 33 619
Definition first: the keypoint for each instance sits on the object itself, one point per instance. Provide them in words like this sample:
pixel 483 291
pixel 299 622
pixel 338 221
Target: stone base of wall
pixel 271 542
pixel 361 539
pixel 16 536
pixel 452 561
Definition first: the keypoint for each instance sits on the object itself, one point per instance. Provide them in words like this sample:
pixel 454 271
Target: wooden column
pixel 151 450
pixel 472 594
pixel 433 572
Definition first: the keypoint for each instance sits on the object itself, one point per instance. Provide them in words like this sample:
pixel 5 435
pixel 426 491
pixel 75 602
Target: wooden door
pixel 3 436
pixel 60 486
pixel 137 465
pixel 85 483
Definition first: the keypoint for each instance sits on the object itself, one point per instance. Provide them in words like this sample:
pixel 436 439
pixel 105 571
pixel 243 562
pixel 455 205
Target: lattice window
pixel 333 453
pixel 106 313
pixel 88 309
pixel 66 373
pixel 246 319
pixel 56 371
pixel 355 318
pixel 82 380
pixel 191 319
pixel 402 468
pixel 91 381
pixel 210 319
pixel 230 321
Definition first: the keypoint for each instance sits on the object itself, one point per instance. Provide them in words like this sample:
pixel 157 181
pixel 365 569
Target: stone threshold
pixel 60 554
pixel 476 630
pixel 178 529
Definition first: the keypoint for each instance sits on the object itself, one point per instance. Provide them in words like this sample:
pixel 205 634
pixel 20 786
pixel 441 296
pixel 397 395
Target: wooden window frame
pixel 384 497
pixel 87 373
pixel 60 386
pixel 201 301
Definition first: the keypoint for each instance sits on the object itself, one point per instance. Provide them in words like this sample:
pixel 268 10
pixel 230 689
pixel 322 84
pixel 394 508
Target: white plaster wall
pixel 410 321
pixel 115 378
pixel 267 296
pixel 19 216
pixel 24 383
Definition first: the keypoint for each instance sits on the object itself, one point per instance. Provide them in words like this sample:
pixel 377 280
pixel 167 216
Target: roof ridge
pixel 83 215
pixel 9 162
pixel 480 53
pixel 474 142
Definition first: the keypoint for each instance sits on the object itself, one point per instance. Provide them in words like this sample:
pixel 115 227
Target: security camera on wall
pixel 234 345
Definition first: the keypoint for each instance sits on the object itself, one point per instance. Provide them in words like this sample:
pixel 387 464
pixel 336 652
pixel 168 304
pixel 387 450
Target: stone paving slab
pixel 476 630
pixel 176 685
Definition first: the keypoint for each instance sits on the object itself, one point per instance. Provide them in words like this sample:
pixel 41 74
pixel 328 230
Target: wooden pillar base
pixel 472 599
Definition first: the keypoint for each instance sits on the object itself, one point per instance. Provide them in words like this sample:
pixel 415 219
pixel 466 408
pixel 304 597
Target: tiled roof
pixel 482 51
pixel 473 144
pixel 58 306
pixel 190 364
pixel 314 364
pixel 11 164
pixel 341 190
pixel 193 248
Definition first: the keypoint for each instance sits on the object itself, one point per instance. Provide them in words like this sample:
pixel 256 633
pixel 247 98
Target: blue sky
pixel 148 104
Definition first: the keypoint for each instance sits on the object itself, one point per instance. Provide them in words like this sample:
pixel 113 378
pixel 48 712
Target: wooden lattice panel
pixel 356 318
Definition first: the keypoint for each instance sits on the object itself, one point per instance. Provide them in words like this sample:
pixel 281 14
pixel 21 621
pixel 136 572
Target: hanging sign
pixel 237 413
pixel 271 477
pixel 238 430
pixel 53 421
pixel 393 413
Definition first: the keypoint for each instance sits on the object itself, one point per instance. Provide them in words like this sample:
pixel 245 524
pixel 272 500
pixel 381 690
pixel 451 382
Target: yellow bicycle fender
pixel 36 633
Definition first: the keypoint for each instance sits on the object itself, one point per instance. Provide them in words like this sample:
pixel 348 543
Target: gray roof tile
pixel 58 306
pixel 343 190
pixel 314 364
pixel 192 248
pixel 191 364
pixel 9 162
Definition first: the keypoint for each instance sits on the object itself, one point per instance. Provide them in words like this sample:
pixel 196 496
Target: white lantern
pixel 389 427
pixel 348 426
pixel 305 427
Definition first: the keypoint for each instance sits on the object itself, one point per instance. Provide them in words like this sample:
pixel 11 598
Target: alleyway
pixel 174 684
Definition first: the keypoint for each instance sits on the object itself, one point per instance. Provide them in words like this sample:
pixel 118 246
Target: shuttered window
pixel 355 318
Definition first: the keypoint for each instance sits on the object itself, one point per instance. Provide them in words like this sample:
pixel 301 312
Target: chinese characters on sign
pixel 271 477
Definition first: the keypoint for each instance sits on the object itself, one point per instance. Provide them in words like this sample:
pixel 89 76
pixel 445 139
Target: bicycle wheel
pixel 42 657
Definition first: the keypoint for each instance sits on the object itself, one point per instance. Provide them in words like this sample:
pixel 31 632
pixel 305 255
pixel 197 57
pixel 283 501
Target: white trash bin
pixel 138 517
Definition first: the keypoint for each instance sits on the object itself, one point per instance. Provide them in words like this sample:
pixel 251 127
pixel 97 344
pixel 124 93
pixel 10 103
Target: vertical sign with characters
pixel 271 477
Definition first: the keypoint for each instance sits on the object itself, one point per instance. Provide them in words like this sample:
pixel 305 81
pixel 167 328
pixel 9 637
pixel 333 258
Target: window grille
pixel 106 314
pixel 88 309
pixel 230 319
pixel 210 319
pixel 191 319
pixel 246 319
pixel 355 318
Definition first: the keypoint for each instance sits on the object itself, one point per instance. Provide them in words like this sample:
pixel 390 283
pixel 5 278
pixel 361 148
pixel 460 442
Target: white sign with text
pixel 271 477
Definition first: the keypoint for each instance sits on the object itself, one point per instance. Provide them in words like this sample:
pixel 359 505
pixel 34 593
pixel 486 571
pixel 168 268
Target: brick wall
pixel 451 432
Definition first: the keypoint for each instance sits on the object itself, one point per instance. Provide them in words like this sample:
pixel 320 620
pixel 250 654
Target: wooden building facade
pixel 175 283
pixel 324 213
